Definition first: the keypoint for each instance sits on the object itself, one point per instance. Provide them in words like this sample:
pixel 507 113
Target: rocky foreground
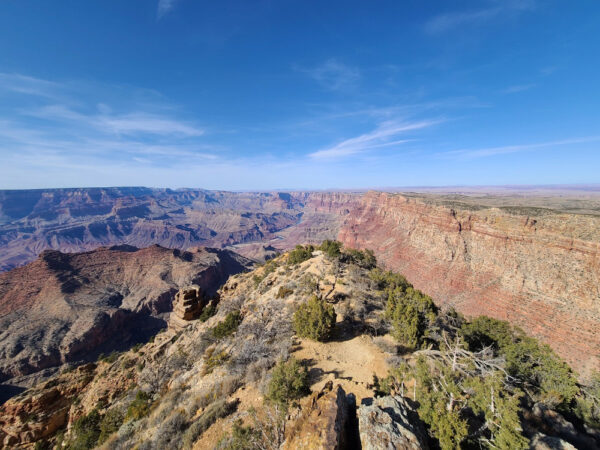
pixel 315 349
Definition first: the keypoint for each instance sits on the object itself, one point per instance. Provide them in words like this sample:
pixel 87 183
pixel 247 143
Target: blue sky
pixel 286 94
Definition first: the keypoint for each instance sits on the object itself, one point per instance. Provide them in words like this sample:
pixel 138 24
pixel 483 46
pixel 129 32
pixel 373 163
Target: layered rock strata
pixel 537 267
pixel 187 305
pixel 539 272
pixel 324 421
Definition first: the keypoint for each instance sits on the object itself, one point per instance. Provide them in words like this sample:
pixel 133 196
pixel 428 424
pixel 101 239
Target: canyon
pixel 528 259
pixel 70 307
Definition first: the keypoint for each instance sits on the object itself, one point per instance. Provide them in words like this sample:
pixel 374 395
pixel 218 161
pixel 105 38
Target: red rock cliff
pixel 540 273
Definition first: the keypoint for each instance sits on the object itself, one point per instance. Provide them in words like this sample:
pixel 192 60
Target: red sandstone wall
pixel 530 271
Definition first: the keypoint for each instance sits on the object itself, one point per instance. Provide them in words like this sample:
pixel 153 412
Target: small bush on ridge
pixel 315 319
pixel 289 382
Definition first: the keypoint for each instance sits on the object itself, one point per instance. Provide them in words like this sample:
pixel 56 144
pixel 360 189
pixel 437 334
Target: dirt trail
pixel 350 363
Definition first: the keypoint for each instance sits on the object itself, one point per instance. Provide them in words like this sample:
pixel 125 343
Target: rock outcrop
pixel 542 442
pixel 43 410
pixel 324 421
pixel 187 305
pixel 549 428
pixel 188 388
pixel 69 307
pixel 390 423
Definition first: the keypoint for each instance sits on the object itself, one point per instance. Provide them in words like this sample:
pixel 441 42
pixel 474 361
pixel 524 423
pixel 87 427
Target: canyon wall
pixel 73 220
pixel 541 272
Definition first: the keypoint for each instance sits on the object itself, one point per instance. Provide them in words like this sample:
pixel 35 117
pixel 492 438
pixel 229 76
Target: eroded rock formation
pixel 324 421
pixel 187 305
pixel 537 267
pixel 43 410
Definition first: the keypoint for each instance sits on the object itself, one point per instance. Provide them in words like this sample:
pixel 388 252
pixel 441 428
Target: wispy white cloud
pixel 134 123
pixel 492 151
pixel 23 84
pixel 518 88
pixel 384 135
pixel 445 22
pixel 73 126
pixel 448 21
pixel 334 75
pixel 164 6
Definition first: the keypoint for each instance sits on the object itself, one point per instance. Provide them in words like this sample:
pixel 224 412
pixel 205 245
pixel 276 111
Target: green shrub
pixel 111 422
pixel 241 438
pixel 587 406
pixel 289 382
pixel 207 313
pixel 450 401
pixel 228 326
pixel 138 408
pixel 387 280
pixel 300 254
pixel 526 359
pixel 365 259
pixel 411 313
pixel 407 325
pixel 537 364
pixel 85 431
pixel 213 360
pixel 315 319
pixel 484 331
pixel 257 279
pixel 333 249
pixel 136 348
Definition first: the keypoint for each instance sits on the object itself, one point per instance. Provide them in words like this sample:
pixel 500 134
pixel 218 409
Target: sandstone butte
pixel 538 268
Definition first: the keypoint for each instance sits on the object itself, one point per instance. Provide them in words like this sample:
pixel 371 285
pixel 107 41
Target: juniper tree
pixel 315 319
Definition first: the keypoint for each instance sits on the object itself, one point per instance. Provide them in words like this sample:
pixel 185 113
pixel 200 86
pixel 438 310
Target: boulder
pixel 542 442
pixel 323 422
pixel 390 423
pixel 550 423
